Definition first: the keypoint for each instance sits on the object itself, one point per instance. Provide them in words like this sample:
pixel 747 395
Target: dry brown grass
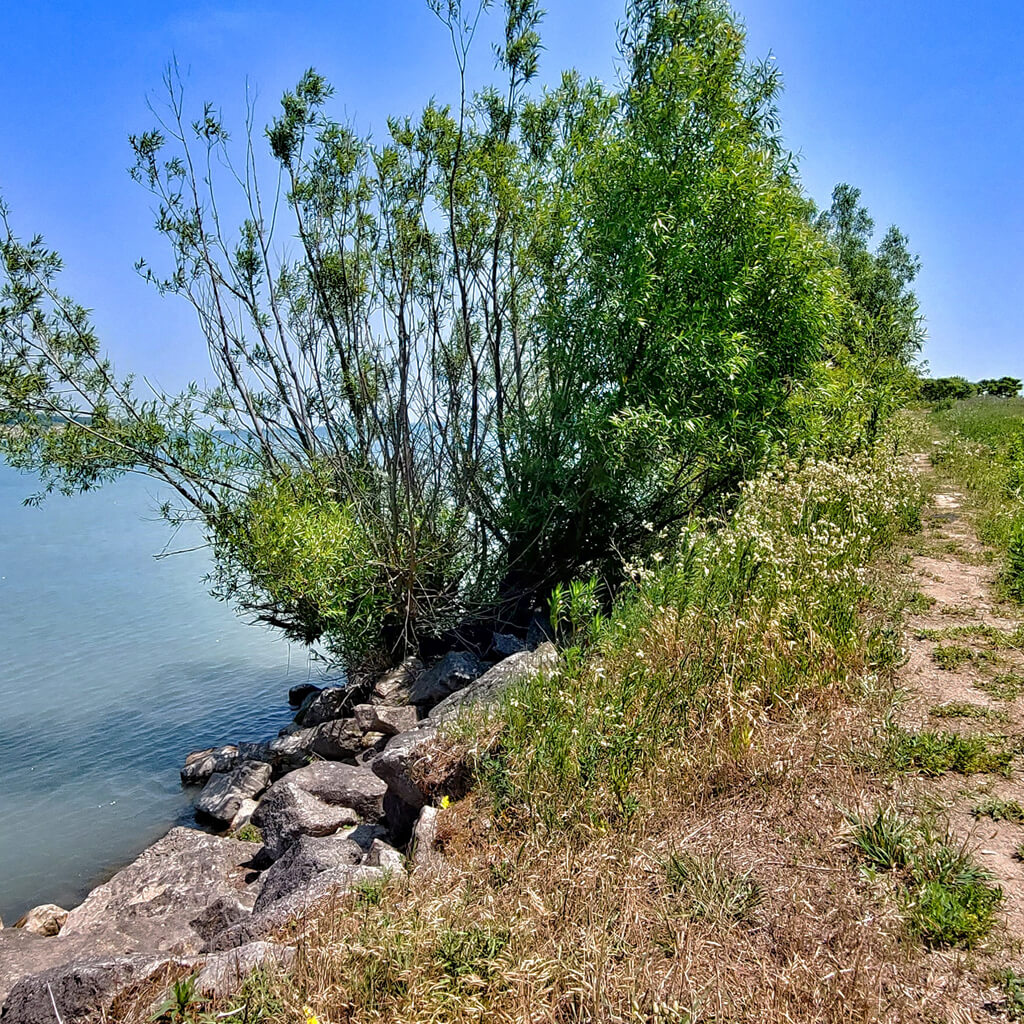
pixel 585 927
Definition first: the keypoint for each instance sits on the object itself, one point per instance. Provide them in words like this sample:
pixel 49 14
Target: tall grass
pixel 982 448
pixel 734 622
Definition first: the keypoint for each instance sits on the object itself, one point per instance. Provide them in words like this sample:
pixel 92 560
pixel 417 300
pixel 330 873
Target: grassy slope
pixel 692 820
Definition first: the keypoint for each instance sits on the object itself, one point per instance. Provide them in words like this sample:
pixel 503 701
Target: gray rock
pixel 365 835
pixel 201 764
pixel 221 798
pixel 291 747
pixel 299 694
pixel 287 812
pixel 506 644
pixel 397 762
pixel 424 838
pixel 225 973
pixel 385 857
pixel 306 858
pixel 339 740
pixel 298 905
pixel 326 706
pixel 390 720
pixel 256 752
pixel 393 687
pixel 149 905
pixel 84 990
pixel 342 785
pixel 46 919
pixel 221 914
pixel 486 690
pixel 246 809
pixel 452 672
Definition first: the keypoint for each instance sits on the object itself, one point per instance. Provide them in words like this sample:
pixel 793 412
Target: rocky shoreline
pixel 339 798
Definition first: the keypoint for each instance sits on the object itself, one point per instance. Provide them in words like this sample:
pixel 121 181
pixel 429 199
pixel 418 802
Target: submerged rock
pixel 298 694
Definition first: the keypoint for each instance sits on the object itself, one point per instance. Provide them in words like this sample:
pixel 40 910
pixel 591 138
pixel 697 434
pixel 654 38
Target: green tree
pixel 457 365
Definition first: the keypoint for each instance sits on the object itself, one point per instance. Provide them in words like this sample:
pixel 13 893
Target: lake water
pixel 113 666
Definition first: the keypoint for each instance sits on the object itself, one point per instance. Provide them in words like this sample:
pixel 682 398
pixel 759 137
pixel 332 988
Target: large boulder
pixel 85 989
pixel 397 764
pixel 452 672
pixel 487 690
pixel 287 812
pixel 296 906
pixel 46 920
pixel 299 694
pixel 326 706
pixel 339 740
pixel 387 719
pixel 201 764
pixel 306 858
pixel 342 785
pixel 393 687
pixel 149 905
pixel 225 973
pixel 222 797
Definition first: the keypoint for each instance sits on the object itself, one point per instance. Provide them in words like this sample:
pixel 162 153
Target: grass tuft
pixel 936 753
pixel 709 890
pixel 950 657
pixel 964 709
pixel 1000 810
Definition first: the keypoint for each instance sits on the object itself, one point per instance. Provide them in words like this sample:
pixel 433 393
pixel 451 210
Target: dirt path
pixel 965 674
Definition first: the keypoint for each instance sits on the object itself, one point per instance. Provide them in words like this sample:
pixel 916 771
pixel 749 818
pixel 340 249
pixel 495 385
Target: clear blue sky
pixel 920 103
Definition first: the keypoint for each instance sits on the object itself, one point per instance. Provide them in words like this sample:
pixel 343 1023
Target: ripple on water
pixel 114 666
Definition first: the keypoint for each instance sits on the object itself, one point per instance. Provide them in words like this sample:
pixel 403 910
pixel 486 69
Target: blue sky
pixel 920 103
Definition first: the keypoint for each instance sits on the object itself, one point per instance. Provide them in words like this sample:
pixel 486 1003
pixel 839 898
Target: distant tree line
pixel 943 389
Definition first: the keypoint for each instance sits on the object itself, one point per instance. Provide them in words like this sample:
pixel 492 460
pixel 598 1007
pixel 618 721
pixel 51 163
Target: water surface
pixel 113 665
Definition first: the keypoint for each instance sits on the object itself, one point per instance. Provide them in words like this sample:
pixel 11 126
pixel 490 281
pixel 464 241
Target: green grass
pixel 982 449
pixel 936 753
pixel 1000 810
pixel 951 657
pixel 947 900
pixel 1012 985
pixel 1005 686
pixel 963 709
pixel 248 833
pixel 464 952
pixel 919 603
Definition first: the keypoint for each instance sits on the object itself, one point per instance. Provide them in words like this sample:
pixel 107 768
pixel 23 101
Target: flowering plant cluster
pixel 738 619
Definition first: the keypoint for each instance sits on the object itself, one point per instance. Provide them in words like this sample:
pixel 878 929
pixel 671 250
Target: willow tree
pixel 458 364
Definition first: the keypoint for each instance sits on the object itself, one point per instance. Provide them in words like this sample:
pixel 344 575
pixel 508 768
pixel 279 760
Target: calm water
pixel 112 667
